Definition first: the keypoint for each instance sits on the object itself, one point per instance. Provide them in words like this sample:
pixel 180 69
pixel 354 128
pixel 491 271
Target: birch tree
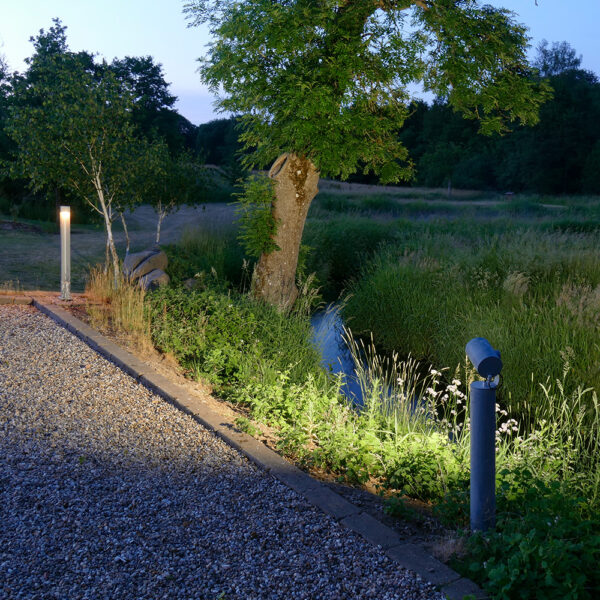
pixel 71 125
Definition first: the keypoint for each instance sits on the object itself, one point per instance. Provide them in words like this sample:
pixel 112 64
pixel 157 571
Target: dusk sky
pixel 158 28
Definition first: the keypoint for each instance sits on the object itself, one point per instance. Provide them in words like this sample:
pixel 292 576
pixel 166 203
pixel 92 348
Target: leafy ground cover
pixel 546 541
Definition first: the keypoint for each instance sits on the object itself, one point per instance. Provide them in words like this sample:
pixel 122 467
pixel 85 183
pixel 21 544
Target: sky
pixel 158 28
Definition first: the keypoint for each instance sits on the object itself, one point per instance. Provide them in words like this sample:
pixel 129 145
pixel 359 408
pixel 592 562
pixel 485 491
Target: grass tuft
pixel 119 307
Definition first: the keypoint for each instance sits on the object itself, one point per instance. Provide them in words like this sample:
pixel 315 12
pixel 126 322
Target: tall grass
pixel 534 295
pixel 207 249
pixel 120 308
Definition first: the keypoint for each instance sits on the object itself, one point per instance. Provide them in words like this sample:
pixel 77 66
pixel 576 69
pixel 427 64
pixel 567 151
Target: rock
pixel 133 260
pixel 156 261
pixel 154 279
pixel 141 263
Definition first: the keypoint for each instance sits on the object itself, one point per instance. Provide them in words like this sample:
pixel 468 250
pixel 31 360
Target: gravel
pixel 107 491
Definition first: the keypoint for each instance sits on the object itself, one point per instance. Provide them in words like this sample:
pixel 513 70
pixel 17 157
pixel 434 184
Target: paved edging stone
pixel 409 556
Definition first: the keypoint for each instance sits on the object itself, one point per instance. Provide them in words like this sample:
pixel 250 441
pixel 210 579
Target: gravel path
pixel 107 491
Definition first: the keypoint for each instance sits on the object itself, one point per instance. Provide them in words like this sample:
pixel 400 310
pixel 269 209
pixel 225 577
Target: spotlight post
pixel 483 433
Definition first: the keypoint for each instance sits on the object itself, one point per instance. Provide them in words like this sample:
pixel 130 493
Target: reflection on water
pixel 393 384
pixel 328 337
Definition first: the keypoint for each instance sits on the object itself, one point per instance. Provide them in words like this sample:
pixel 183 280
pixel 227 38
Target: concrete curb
pixel 409 556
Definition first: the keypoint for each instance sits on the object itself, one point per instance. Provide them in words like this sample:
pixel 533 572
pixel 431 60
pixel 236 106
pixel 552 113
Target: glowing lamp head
pixel 65 213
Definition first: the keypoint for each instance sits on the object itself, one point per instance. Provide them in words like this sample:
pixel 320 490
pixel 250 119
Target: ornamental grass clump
pixel 118 304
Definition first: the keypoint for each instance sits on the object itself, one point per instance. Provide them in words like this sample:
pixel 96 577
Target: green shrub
pixel 255 209
pixel 206 251
pixel 226 337
pixel 338 247
pixel 542 546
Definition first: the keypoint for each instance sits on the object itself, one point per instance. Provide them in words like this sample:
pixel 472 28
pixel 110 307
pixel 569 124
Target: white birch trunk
pixel 162 213
pixel 106 208
pixel 127 240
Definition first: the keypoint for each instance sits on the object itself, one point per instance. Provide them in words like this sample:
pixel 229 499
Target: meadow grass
pixel 535 295
pixel 204 250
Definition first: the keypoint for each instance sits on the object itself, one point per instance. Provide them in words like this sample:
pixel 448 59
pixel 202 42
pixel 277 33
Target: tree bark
pixel 110 241
pixel 296 184
pixel 106 210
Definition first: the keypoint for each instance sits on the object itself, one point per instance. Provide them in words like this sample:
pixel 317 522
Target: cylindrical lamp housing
pixel 65 253
pixel 483 456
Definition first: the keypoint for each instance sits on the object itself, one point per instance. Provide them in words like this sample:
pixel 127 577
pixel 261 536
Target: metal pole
pixel 483 455
pixel 65 253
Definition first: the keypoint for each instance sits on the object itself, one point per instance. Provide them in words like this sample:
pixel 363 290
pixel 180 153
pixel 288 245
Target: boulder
pixel 158 260
pixel 141 263
pixel 154 279
pixel 133 260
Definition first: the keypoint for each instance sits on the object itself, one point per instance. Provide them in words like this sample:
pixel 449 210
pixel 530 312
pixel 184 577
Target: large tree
pixel 326 86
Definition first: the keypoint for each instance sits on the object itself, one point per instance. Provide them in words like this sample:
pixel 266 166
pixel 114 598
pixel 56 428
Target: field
pixel 30 250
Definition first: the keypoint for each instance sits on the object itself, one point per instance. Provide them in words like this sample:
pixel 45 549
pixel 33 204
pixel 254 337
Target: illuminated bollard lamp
pixel 65 253
pixel 487 362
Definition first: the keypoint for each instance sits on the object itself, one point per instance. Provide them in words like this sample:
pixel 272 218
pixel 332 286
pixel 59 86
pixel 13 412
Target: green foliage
pixel 217 142
pixel 246 426
pixel 265 361
pixel 533 294
pixel 426 467
pixel 330 81
pixel 227 338
pixel 333 259
pixel 153 114
pixel 556 155
pixel 542 547
pixel 90 133
pixel 172 181
pixel 556 59
pixel 37 207
pixel 70 121
pixel 257 224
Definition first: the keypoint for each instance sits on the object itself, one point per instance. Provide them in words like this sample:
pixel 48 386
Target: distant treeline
pixel 561 154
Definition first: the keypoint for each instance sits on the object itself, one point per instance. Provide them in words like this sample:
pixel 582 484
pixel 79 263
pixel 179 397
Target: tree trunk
pixel 106 210
pixel 161 215
pixel 274 279
pixel 110 241
pixel 106 255
pixel 127 240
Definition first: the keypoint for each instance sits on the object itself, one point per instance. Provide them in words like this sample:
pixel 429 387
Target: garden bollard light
pixel 483 433
pixel 65 253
